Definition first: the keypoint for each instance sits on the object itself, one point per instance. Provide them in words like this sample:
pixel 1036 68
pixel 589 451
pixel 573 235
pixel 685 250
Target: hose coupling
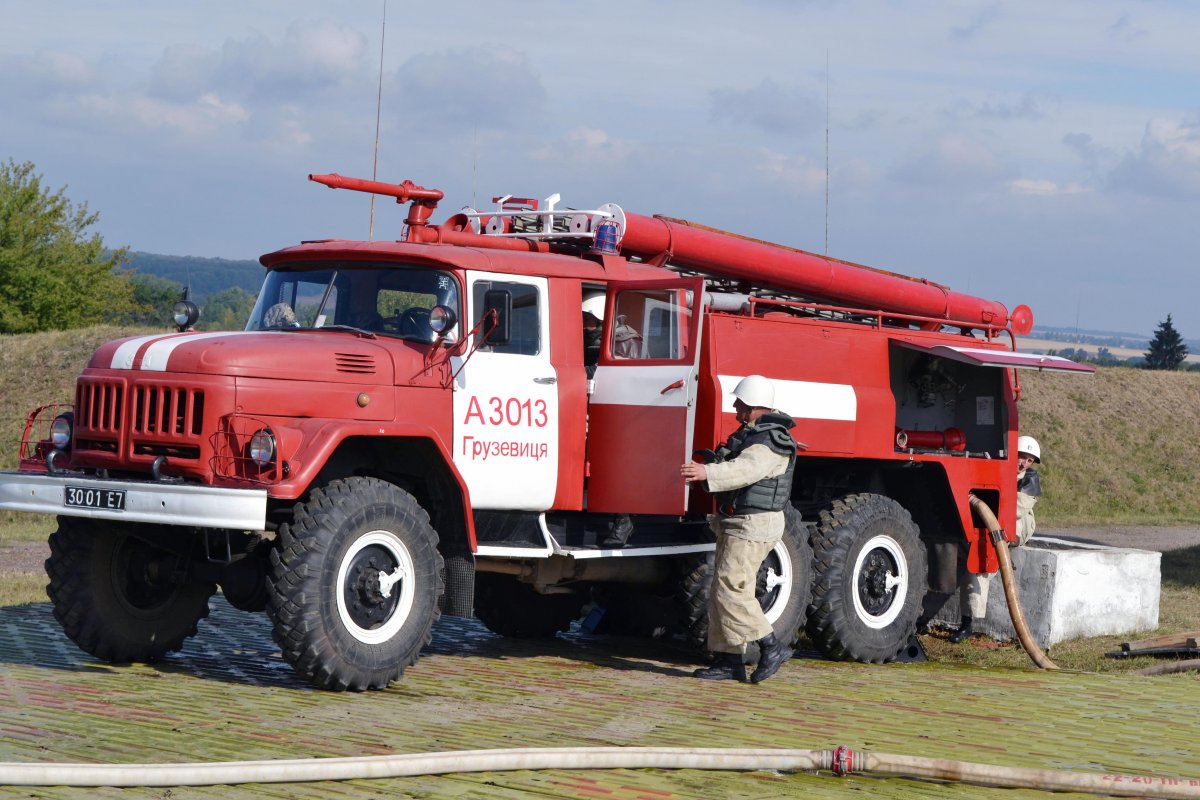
pixel 843 761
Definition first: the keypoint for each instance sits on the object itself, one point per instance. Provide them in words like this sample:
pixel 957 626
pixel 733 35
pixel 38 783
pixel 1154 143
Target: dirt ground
pixel 1138 537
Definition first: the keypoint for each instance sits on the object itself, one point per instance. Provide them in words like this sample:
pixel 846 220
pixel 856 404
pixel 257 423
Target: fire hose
pixel 841 761
pixel 1010 585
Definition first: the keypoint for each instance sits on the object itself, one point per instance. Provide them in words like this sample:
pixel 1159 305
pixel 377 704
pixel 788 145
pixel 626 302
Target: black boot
pixel 772 655
pixel 726 667
pixel 964 631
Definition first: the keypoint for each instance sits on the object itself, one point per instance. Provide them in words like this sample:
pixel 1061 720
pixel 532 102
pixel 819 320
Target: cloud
pixel 1166 163
pixel 770 107
pixel 208 114
pixel 1045 188
pixel 45 74
pixel 486 86
pixel 183 72
pixel 796 175
pixel 953 159
pixel 1124 30
pixel 978 22
pixel 310 57
pixel 1082 145
pixel 1025 107
pixel 588 146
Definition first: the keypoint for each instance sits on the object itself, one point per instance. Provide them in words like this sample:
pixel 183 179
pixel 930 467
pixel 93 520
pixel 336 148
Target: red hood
pixel 288 355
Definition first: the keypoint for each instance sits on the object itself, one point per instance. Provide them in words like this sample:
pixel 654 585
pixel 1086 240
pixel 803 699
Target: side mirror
pixel 497 302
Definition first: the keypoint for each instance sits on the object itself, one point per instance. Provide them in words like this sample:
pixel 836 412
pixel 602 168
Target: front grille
pixel 99 406
pixel 167 410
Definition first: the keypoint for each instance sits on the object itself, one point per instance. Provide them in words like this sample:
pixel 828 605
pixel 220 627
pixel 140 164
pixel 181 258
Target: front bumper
pixel 145 501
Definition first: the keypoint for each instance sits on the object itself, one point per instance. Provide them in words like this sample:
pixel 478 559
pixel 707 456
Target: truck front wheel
pixel 354 585
pixel 870 577
pixel 117 597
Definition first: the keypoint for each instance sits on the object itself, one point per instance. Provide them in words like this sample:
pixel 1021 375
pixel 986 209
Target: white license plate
pixel 85 497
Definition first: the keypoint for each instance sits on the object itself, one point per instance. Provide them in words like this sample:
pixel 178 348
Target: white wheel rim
pixel 781 580
pixel 897 580
pixel 405 586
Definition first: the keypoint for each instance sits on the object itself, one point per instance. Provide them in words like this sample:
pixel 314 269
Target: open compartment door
pixel 1009 359
pixel 641 415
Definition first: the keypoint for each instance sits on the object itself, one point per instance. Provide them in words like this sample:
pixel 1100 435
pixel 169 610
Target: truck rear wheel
pixel 783 589
pixel 511 608
pixel 870 577
pixel 354 585
pixel 117 597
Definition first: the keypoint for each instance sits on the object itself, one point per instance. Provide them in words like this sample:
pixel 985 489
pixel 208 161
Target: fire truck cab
pixel 408 428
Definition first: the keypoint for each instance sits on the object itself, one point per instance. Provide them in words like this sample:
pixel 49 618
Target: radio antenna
pixel 827 152
pixel 378 106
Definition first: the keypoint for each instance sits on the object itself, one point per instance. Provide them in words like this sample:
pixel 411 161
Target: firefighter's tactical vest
pixel 768 494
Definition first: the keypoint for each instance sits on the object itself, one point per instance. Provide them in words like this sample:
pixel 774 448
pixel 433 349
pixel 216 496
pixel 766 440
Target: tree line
pixel 56 273
pixel 1167 351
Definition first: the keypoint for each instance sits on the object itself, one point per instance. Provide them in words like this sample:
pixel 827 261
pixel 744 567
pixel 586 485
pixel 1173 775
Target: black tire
pixel 783 590
pixel 651 612
pixel 117 597
pixel 332 618
pixel 870 579
pixel 508 607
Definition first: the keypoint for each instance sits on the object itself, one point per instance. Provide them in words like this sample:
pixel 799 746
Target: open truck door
pixel 642 411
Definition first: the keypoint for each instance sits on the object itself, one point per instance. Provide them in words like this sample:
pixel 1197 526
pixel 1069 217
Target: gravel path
pixel 1140 537
pixel 22 557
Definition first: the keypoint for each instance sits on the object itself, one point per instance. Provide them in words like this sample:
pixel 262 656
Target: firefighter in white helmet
pixel 593 322
pixel 751 476
pixel 973 592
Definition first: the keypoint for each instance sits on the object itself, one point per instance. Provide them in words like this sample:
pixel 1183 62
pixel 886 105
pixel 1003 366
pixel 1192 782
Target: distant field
pixel 1118 352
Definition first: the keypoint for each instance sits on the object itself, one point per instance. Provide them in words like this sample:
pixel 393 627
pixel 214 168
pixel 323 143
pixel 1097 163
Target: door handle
pixel 676 385
pixel 545 380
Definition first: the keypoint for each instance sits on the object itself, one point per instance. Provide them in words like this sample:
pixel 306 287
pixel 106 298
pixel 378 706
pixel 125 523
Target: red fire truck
pixel 408 428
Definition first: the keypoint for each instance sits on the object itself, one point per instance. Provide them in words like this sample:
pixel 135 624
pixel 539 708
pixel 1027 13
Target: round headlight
pixel 262 447
pixel 185 313
pixel 442 319
pixel 60 430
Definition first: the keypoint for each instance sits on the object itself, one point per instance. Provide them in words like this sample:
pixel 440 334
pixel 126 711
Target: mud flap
pixel 459 599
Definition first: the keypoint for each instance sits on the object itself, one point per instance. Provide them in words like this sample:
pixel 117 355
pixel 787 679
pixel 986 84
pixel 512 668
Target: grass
pixel 1118 447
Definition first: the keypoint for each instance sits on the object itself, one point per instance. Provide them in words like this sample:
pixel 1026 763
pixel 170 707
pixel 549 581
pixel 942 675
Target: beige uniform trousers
pixel 743 541
pixel 973 594
pixel 734 615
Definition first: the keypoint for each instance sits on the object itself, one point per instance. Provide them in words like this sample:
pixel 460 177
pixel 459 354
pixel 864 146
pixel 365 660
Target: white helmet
pixel 593 303
pixel 755 391
pixel 1028 444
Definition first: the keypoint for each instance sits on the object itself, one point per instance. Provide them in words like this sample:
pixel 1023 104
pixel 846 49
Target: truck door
pixel 642 410
pixel 506 403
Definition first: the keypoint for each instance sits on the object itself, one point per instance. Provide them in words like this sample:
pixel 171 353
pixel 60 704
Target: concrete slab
pixel 1072 589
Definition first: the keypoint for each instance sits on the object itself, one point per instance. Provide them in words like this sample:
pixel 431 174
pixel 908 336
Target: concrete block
pixel 1070 590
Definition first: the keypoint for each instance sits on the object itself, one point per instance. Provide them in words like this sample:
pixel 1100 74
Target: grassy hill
pixel 1118 446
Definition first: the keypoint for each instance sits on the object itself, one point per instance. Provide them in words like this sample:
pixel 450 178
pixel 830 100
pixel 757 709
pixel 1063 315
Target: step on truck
pixel 412 428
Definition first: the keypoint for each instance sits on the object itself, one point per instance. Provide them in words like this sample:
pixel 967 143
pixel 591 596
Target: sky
pixel 1025 151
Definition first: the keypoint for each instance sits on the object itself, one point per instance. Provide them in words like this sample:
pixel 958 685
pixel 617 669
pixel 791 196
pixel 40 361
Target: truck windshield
pixel 384 300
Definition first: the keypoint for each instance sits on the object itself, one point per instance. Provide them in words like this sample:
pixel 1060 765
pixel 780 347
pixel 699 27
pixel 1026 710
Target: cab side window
pixel 525 321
